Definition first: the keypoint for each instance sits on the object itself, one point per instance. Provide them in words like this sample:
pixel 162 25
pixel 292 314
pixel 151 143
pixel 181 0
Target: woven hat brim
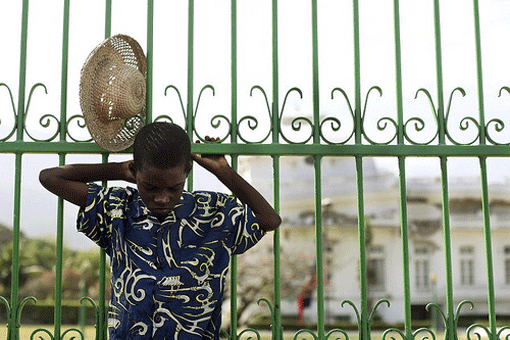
pixel 106 98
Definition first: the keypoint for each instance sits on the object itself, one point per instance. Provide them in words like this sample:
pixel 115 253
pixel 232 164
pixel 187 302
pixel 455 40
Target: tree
pixel 255 277
pixel 37 262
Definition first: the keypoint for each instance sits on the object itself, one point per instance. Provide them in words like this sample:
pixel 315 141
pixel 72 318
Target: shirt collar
pixel 140 210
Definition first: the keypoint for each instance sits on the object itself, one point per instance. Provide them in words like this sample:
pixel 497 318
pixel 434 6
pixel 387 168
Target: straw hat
pixel 112 92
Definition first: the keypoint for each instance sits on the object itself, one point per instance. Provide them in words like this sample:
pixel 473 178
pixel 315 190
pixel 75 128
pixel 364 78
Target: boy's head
pixel 161 164
pixel 163 146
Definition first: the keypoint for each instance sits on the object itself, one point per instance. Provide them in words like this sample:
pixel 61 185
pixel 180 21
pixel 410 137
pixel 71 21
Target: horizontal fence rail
pixel 352 131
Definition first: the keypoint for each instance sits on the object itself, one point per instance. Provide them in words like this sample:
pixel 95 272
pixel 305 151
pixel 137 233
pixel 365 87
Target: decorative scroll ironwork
pixel 14 315
pixel 474 330
pixel 80 123
pixel 183 110
pixel 420 333
pixel 496 123
pixel 44 121
pixel 455 316
pixel 329 127
pixel 13 130
pixel 252 122
pixel 67 334
pixel 382 123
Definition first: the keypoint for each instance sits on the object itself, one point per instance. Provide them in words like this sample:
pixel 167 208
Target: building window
pixel 507 265
pixel 422 268
pixel 375 268
pixel 467 266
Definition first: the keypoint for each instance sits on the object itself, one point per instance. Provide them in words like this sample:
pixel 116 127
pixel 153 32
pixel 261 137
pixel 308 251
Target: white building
pixel 384 257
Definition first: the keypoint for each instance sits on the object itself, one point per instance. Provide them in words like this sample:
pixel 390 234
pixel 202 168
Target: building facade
pixel 384 248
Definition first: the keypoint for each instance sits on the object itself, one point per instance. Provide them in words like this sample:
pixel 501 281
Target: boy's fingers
pixel 212 139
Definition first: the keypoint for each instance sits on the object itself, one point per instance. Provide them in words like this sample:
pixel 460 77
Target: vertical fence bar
pixel 491 305
pixel 58 265
pixel 319 248
pixel 189 95
pixel 108 19
pixel 318 176
pixel 479 73
pixel 364 327
pixel 450 332
pixel 357 75
pixel 233 68
pixel 13 321
pixel 488 250
pixel 277 331
pixel 275 74
pixel 60 203
pixel 64 72
pixel 315 74
pixel 233 281
pixel 439 73
pixel 189 123
pixel 22 73
pixel 402 175
pixel 150 44
pixel 102 327
pixel 235 158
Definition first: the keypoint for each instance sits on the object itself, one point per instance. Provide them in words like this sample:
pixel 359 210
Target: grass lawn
pixel 26 332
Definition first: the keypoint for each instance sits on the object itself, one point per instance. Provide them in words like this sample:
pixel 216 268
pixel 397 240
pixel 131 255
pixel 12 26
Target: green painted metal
pixel 58 267
pixel 402 174
pixel 319 248
pixel 14 320
pixel 101 307
pixel 277 331
pixel 450 332
pixel 150 53
pixel 363 320
pixel 275 145
pixel 60 205
pixel 491 298
pixel 281 149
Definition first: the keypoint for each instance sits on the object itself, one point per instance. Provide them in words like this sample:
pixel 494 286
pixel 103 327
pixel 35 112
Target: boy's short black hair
pixel 162 145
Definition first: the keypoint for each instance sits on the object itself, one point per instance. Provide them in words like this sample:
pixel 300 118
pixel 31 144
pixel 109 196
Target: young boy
pixel 169 249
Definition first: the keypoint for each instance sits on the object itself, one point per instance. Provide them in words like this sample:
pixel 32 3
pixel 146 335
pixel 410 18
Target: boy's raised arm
pixel 217 164
pixel 70 181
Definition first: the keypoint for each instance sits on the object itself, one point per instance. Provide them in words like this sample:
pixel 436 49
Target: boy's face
pixel 160 189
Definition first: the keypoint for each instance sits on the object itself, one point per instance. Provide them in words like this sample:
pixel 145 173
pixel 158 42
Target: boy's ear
pixel 188 168
pixel 132 168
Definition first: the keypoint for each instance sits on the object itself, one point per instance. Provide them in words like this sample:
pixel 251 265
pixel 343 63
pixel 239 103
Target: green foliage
pixel 37 265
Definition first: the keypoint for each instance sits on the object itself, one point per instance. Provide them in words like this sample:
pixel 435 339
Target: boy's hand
pixel 213 163
pixel 218 165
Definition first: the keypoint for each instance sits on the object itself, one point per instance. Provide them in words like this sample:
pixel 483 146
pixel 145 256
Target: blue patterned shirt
pixel 168 277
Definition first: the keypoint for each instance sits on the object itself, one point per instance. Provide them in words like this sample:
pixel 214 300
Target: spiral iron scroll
pixel 336 123
pixel 303 127
pixel 13 106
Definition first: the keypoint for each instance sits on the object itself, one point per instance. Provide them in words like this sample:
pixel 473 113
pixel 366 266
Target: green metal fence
pixel 401 128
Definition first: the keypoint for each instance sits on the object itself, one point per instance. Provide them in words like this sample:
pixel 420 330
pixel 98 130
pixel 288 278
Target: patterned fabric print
pixel 168 277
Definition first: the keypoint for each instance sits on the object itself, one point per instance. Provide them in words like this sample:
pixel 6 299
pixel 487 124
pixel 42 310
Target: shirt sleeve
pixel 94 219
pixel 245 230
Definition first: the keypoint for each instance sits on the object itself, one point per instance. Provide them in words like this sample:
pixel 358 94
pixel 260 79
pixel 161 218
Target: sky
pixel 212 67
